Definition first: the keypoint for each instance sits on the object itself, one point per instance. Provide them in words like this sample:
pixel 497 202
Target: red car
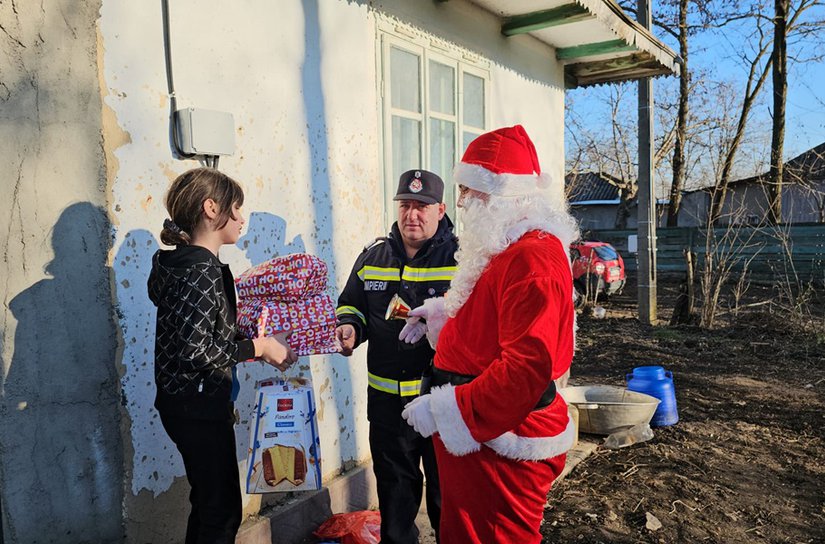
pixel 598 269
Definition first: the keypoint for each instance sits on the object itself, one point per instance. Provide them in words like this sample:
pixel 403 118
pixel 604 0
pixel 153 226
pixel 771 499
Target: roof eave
pixel 634 53
pixel 644 55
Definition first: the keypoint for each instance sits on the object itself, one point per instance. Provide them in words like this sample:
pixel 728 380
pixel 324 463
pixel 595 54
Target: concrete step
pixel 293 521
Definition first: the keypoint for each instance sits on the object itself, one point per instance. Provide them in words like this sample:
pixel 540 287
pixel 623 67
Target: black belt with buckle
pixel 438 377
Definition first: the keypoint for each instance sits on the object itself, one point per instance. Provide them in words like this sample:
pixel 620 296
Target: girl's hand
pixel 275 351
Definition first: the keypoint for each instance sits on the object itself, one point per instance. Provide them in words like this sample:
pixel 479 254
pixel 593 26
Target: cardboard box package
pixel 284 447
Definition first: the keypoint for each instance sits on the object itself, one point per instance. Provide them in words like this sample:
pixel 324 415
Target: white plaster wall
pixel 300 80
pixel 540 109
pixel 305 116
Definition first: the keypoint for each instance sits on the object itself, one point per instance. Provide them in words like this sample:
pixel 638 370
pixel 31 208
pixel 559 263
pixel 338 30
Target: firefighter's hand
pixel 434 312
pixel 345 336
pixel 413 331
pixel 419 417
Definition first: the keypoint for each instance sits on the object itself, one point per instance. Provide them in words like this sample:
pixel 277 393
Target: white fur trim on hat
pixel 451 426
pixel 479 178
pixel 522 448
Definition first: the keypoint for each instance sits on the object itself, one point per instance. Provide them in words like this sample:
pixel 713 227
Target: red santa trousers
pixel 490 499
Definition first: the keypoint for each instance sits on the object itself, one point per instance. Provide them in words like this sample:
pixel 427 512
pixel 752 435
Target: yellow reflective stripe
pixel 379 273
pixel 409 388
pixel 350 310
pixel 438 273
pixel 382 384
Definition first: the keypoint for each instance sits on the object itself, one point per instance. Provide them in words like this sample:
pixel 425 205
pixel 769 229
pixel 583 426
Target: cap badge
pixel 417 173
pixel 416 186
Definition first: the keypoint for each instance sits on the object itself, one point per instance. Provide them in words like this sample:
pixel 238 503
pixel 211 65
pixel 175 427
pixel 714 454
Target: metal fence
pixel 795 252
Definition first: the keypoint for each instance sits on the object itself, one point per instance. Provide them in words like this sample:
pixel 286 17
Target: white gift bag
pixel 284 448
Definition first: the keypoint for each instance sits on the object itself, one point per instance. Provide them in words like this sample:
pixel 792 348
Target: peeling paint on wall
pixel 282 147
pixel 85 123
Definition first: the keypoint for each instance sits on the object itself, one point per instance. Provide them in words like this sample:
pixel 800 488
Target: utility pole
pixel 646 195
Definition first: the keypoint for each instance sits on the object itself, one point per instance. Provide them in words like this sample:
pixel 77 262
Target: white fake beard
pixel 490 227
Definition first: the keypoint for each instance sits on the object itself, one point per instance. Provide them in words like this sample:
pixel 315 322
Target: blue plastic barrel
pixel 657 382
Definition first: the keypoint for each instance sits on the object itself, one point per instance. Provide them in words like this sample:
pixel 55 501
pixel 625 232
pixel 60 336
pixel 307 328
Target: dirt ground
pixel 745 462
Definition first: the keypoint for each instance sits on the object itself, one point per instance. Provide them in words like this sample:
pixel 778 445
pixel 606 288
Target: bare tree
pixel 672 18
pixel 726 250
pixel 678 180
pixel 610 147
pixel 780 93
pixel 757 74
pixel 788 24
pixel 800 28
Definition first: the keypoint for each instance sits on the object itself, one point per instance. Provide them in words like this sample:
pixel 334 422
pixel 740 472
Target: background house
pixel 747 200
pixel 331 101
pixel 595 198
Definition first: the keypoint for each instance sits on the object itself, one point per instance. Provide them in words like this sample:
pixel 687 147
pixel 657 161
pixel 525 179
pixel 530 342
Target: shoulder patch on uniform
pixel 375 243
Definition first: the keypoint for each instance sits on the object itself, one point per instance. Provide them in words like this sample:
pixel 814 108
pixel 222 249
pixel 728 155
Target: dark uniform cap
pixel 420 185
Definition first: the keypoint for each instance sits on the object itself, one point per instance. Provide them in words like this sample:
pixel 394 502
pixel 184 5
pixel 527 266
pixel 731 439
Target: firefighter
pixel 414 261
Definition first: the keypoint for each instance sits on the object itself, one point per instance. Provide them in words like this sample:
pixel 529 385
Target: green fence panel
pixel 796 251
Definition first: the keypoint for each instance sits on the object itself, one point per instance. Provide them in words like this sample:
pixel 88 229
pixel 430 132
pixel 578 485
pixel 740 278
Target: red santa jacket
pixel 515 333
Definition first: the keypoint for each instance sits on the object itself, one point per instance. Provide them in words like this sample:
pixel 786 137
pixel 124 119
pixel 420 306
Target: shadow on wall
pixel 265 238
pixel 315 110
pixel 59 427
pixel 152 448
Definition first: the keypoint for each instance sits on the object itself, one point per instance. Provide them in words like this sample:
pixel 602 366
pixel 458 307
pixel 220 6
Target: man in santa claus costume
pixel 500 430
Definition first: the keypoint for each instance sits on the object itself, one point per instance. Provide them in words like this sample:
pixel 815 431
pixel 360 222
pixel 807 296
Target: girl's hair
pixel 185 198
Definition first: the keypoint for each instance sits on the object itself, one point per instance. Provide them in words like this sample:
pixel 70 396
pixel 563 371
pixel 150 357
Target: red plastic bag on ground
pixel 363 527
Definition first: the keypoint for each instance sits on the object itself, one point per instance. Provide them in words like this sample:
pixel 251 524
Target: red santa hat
pixel 502 163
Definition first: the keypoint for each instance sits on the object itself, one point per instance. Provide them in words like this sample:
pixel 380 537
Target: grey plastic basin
pixel 604 409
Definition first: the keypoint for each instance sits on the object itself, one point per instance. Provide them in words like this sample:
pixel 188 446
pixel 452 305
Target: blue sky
pixel 714 54
pixel 805 115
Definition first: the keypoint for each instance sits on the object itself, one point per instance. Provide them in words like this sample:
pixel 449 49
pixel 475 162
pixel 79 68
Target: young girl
pixel 197 346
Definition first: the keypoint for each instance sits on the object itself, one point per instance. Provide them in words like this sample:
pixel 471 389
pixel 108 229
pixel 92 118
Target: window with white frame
pixel 434 103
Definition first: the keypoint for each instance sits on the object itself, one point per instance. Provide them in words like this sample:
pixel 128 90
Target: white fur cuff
pixel 451 426
pixel 479 178
pixel 522 448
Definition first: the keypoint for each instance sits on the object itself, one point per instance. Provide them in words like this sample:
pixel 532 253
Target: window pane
pixel 442 154
pixel 466 138
pixel 404 78
pixel 442 88
pixel 473 101
pixel 406 146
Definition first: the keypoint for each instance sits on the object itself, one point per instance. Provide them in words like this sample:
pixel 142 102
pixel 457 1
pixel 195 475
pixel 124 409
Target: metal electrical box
pixel 205 132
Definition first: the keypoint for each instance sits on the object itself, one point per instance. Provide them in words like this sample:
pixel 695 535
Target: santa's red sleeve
pixel 505 394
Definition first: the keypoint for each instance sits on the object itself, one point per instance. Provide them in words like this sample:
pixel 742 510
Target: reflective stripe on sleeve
pixel 379 273
pixel 440 273
pixel 350 310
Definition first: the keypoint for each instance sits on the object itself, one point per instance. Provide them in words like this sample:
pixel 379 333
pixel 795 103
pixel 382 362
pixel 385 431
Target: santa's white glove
pixel 419 417
pixel 413 331
pixel 434 312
